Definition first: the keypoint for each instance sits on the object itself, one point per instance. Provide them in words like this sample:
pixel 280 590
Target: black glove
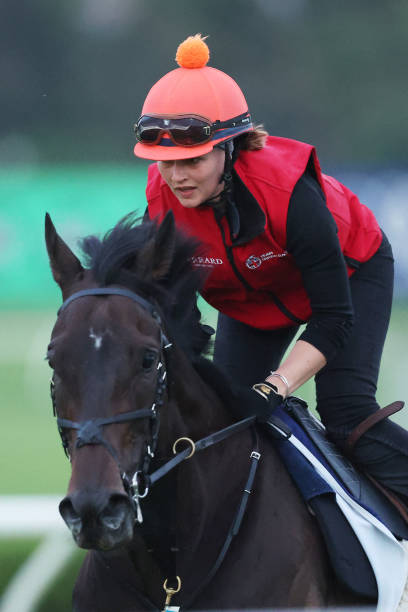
pixel 269 394
pixel 250 401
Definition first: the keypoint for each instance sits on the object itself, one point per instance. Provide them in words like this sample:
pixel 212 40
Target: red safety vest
pixel 262 286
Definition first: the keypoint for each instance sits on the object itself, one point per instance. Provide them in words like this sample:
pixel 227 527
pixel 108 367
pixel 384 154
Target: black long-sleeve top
pixel 313 243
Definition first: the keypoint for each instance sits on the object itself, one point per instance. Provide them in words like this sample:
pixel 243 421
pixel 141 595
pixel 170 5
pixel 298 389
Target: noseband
pixel 90 431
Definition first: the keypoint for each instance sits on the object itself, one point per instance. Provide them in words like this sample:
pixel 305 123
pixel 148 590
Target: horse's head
pixel 107 352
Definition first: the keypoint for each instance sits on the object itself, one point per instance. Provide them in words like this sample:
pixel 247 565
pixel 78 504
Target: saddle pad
pixel 347 557
pixel 312 434
pixel 386 555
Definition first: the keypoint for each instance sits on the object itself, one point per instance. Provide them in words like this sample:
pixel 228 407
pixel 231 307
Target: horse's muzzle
pixel 98 522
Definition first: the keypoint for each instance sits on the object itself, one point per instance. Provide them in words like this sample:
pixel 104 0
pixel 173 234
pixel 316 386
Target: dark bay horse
pixel 125 351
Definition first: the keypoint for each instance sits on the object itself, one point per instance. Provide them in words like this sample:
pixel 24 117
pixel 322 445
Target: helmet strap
pixel 231 208
pixel 226 196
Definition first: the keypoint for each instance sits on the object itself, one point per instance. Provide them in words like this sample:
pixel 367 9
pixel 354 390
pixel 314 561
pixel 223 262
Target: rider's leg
pixel 247 354
pixel 346 387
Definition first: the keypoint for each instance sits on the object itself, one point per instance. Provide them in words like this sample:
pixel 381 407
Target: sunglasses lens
pixel 148 135
pixel 148 130
pixel 184 131
pixel 190 136
pixel 190 131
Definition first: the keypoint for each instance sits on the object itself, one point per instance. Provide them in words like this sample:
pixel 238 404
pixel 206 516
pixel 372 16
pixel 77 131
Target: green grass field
pixel 32 458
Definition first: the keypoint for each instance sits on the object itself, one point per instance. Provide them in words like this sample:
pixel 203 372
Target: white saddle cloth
pixel 387 555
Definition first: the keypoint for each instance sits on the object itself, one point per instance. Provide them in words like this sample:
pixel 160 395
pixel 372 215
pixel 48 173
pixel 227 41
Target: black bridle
pixel 90 431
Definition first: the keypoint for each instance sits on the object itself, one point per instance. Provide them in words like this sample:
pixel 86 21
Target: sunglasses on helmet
pixel 187 130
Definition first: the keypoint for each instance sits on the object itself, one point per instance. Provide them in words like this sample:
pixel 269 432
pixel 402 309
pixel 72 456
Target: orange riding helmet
pixel 191 109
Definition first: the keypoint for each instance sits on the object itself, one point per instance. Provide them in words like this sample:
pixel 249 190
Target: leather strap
pixel 391 496
pixel 236 524
pixel 111 291
pixel 365 425
pixel 214 438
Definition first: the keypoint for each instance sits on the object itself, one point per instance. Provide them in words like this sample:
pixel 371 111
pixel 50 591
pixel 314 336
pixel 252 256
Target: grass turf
pixel 32 457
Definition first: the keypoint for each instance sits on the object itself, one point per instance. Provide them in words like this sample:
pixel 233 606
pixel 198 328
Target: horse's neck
pixel 197 407
pixel 198 500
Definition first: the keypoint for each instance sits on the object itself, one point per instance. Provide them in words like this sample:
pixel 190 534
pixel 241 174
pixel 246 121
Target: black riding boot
pixel 382 452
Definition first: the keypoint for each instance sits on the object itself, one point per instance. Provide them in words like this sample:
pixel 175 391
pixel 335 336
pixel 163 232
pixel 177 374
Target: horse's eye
pixel 149 359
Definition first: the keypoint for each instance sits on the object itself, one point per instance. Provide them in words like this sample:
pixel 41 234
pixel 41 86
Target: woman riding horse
pixel 127 396
pixel 285 246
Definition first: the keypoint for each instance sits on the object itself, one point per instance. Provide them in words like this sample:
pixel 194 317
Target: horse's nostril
pixel 67 509
pixel 75 526
pixel 98 521
pixel 70 516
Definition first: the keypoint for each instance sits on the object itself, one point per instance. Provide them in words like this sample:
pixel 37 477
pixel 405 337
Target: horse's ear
pixel 155 258
pixel 65 266
pixel 165 243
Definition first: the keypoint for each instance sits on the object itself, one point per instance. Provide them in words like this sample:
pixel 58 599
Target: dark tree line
pixel 74 74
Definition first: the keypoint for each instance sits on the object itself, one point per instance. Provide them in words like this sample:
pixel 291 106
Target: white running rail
pixel 25 516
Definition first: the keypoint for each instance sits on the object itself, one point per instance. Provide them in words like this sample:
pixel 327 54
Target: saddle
pixel 337 519
pixel 347 555
pixel 365 489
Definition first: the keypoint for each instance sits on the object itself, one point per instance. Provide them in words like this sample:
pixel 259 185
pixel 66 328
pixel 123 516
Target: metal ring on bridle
pixel 189 440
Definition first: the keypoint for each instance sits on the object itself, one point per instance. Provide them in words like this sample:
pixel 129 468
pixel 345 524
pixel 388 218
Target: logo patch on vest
pixel 254 262
pixel 206 262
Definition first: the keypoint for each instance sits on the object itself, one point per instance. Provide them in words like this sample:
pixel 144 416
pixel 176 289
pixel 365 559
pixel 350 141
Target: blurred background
pixel 74 77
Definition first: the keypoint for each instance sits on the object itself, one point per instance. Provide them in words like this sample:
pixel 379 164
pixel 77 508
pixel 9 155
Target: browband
pixel 111 291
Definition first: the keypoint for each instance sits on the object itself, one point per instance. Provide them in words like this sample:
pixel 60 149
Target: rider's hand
pixel 249 401
pixel 269 393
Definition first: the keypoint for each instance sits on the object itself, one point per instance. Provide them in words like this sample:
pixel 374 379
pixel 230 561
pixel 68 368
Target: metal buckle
pixel 135 487
pixel 255 455
pixel 170 592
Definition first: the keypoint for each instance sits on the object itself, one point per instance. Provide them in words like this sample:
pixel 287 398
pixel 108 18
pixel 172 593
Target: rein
pixel 90 433
pixel 187 453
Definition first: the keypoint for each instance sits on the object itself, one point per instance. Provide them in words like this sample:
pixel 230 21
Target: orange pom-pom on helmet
pixel 190 109
pixel 193 52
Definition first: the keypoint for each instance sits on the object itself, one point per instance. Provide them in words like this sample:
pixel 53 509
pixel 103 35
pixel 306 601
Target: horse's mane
pixel 125 256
